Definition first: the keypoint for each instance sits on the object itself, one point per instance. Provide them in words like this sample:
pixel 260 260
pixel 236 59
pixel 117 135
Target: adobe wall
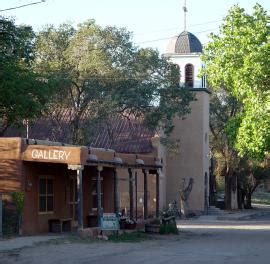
pixel 11 178
pixel 191 161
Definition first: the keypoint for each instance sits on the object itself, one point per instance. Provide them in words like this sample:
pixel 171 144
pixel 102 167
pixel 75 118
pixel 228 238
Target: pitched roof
pixel 118 133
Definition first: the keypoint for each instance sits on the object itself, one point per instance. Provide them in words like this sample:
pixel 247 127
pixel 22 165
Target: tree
pixel 23 92
pixel 102 74
pixel 242 174
pixel 223 107
pixel 237 60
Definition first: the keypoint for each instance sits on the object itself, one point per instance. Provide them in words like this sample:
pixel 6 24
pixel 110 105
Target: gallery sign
pixel 55 154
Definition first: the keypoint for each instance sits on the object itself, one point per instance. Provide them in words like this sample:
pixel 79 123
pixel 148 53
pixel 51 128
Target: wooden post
pixel 131 202
pixel 99 210
pixel 1 215
pixel 136 195
pixel 157 194
pixel 79 169
pixel 145 195
pixel 116 193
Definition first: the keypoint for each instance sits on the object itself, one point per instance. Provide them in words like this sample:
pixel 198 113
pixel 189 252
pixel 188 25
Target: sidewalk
pixel 21 242
pixel 231 219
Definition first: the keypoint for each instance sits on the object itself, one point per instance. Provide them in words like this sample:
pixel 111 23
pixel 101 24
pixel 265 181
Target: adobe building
pixel 75 185
pixel 80 183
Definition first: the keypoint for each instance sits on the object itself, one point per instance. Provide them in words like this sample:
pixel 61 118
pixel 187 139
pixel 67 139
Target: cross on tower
pixel 185 14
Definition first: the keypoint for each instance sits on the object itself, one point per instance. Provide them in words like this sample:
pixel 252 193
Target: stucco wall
pixel 11 177
pixel 192 159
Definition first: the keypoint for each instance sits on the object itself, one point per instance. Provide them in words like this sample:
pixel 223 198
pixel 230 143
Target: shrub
pixel 170 228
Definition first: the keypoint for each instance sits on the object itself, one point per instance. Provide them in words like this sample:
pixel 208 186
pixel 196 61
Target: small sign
pixel 109 221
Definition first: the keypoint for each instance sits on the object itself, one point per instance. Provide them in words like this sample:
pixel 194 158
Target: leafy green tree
pixel 237 60
pixel 102 74
pixel 23 92
pixel 242 174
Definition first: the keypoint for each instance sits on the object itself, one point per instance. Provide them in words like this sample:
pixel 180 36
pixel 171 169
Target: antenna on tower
pixel 185 14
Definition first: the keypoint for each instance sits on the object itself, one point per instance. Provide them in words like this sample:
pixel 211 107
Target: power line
pixel 21 6
pixel 174 28
pixel 155 40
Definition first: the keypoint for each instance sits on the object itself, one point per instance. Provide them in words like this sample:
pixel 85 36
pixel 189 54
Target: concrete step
pixel 212 210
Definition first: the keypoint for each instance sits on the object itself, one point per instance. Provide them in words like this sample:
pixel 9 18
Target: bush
pixel 170 228
pixel 10 220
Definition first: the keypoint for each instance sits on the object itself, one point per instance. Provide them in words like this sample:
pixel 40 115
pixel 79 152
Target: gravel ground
pixel 216 242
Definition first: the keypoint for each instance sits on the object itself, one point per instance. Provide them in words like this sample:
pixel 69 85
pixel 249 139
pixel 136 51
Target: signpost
pixel 109 221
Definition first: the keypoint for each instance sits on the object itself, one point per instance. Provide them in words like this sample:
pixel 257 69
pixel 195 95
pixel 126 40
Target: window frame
pixel 46 195
pixel 190 76
pixel 94 193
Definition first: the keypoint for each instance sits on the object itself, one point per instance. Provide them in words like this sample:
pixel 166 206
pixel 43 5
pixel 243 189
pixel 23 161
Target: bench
pixel 60 225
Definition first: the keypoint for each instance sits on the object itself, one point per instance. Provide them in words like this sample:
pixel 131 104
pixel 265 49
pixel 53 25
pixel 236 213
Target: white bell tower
pixel 192 159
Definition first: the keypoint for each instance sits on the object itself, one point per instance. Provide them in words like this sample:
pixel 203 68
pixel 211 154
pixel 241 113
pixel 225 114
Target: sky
pixel 153 22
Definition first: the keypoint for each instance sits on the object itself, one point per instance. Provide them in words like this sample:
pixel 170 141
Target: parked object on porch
pixel 173 210
pixel 127 223
pixel 60 225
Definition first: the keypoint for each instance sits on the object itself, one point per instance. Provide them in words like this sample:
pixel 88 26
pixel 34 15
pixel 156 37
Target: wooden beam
pixel 79 169
pixel 136 195
pixel 157 194
pixel 99 210
pixel 131 200
pixel 145 194
pixel 1 215
pixel 116 192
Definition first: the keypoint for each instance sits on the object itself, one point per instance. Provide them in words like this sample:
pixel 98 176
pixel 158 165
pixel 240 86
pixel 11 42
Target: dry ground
pixel 212 242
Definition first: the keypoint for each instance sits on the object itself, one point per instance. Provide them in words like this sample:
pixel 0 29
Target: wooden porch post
pixel 157 194
pixel 136 195
pixel 1 215
pixel 131 200
pixel 116 193
pixel 99 210
pixel 145 195
pixel 79 169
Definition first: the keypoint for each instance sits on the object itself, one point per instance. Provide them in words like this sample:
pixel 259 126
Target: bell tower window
pixel 189 75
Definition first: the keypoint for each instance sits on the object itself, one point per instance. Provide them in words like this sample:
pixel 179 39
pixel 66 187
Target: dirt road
pixel 199 242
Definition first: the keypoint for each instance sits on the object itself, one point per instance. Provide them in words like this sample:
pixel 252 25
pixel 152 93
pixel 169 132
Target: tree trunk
pixel 231 199
pixel 248 201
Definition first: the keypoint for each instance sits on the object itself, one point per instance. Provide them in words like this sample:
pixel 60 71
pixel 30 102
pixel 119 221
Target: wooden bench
pixel 60 225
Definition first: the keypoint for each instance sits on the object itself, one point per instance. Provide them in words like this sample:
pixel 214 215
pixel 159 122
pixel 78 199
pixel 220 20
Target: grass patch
pixel 136 236
pixel 261 197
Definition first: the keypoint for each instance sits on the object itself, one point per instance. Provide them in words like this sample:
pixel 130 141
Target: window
pixel 189 75
pixel 94 193
pixel 46 194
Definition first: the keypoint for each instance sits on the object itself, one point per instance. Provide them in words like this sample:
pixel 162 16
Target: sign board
pixel 109 222
pixel 55 154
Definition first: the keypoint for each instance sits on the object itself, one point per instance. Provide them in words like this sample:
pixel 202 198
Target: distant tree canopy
pixel 100 73
pixel 237 61
pixel 23 92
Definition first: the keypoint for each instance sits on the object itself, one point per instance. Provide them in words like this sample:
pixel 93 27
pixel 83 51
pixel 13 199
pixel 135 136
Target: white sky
pixel 149 20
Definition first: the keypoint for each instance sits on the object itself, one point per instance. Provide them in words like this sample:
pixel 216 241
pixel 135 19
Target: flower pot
pixel 152 228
